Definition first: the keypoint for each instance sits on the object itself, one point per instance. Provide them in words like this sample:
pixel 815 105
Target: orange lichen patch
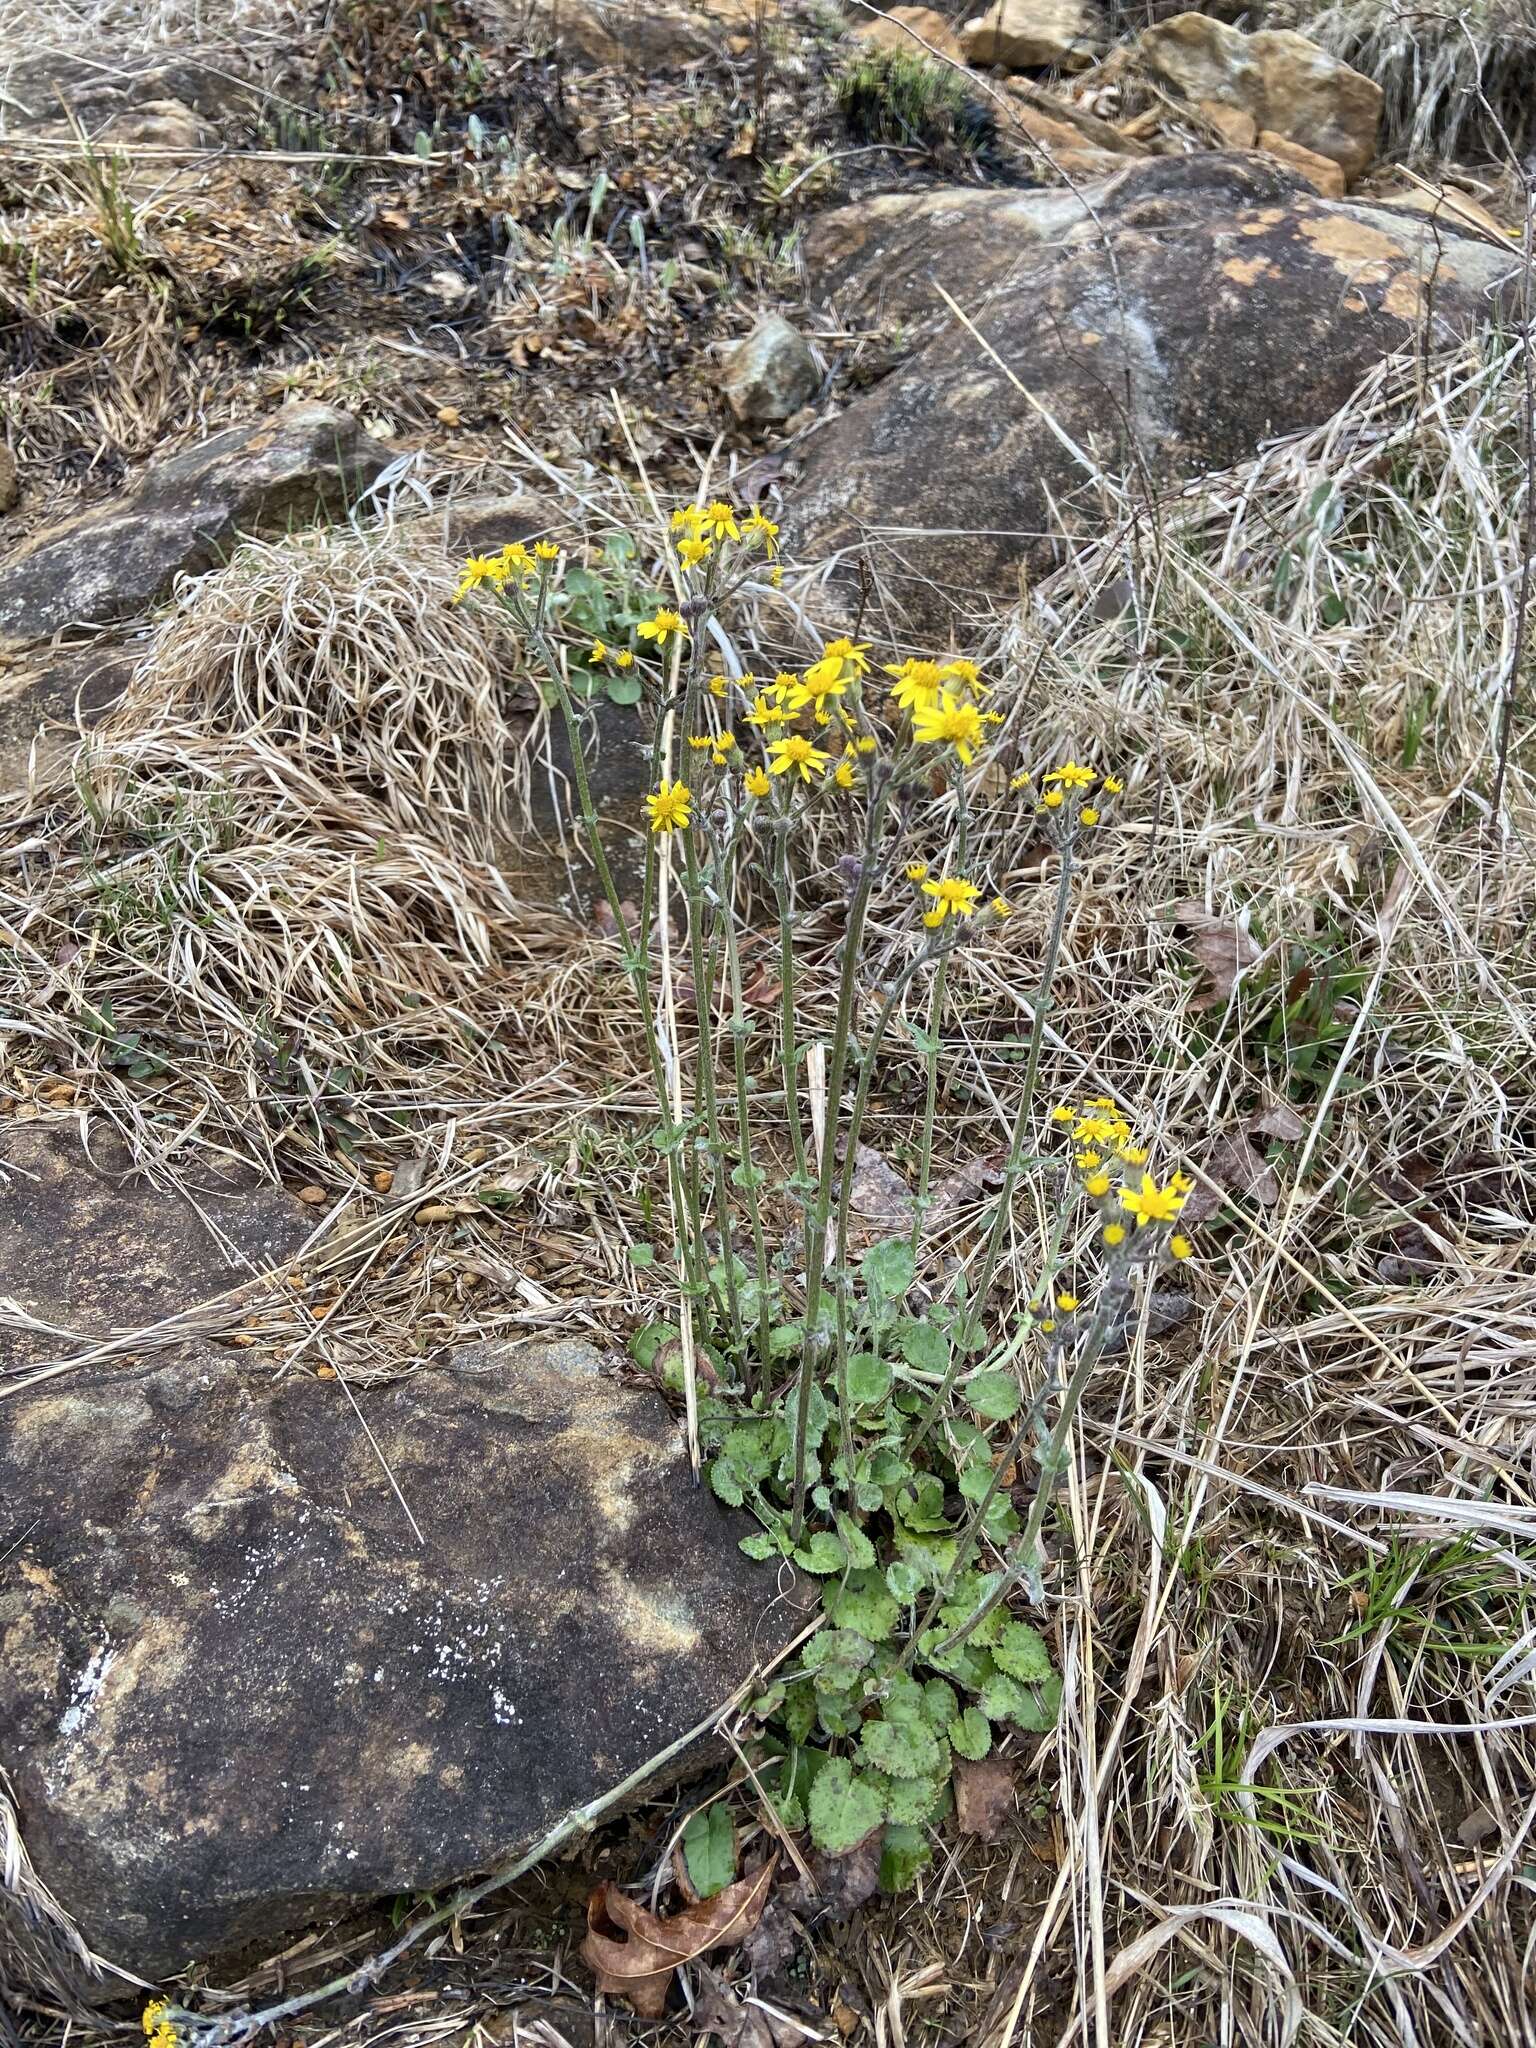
pixel 1404 296
pixel 1364 253
pixel 1249 271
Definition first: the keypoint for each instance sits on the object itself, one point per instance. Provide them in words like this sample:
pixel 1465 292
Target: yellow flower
pixel 1019 782
pixel 700 742
pixel 688 519
pixel 719 520
pixel 1133 1155
pixel 864 744
pixel 1114 1233
pixel 844 776
pixel 966 674
pixel 1063 1113
pixel 1106 1102
pixel 661 627
pixel 1180 1246
pixel 624 658
pixel 515 560
pixel 546 551
pixel 693 551
pixel 717 686
pixel 844 650
pixel 767 708
pixel 759 522
pixel 1001 907
pixel 949 723
pixel 776 575
pixel 599 651
pixel 952 897
pixel 823 679
pixel 1097 1184
pixel 1088 815
pixel 1112 785
pixel 667 807
pixel 1048 1325
pixel 796 752
pixel 724 742
pixel 1052 800
pixel 1151 1204
pixel 918 684
pixel 917 871
pixel 160 2032
pixel 477 570
pixel 757 781
pixel 1089 1160
pixel 1101 1130
pixel 1066 1303
pixel 1072 776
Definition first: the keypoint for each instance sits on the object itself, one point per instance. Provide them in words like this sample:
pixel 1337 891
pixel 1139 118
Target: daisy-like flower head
pixel 688 519
pixel 546 551
pixel 718 520
pixel 855 657
pixel 1151 1204
pixel 798 755
pixel 515 561
pixel 700 742
pixel 1180 1246
pixel 1101 1130
pixel 965 675
pixel 725 741
pixel 952 897
pixel 1097 1185
pixel 918 684
pixel 1088 815
pixel 477 570
pixel 1066 1303
pixel 667 806
pixel 757 525
pixel 599 651
pixel 718 686
pixel 624 658
pixel 1063 1113
pixel 768 708
pixel 1001 907
pixel 757 782
pixel 1112 785
pixel 693 552
pixel 917 871
pixel 662 626
pixel 1072 776
pixel 823 679
pixel 950 722
pixel 865 743
pixel 1114 1233
pixel 1018 782
pixel 1052 800
pixel 844 776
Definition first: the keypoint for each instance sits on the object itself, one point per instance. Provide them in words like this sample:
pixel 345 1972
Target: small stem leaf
pixel 844 1808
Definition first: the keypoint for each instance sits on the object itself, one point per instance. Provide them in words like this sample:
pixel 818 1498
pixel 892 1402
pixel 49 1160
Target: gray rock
pixel 184 514
pixel 51 88
pixel 239 1694
pixel 90 1246
pixel 771 374
pixel 1197 307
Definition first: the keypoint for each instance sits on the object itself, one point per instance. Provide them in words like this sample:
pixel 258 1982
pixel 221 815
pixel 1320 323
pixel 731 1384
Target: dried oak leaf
pixel 633 1952
pixel 983 1796
pixel 1221 950
pixel 1235 1163
pixel 1280 1122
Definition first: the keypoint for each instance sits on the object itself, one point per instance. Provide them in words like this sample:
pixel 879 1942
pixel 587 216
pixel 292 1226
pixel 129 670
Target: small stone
pixel 771 374
pixel 312 1194
pixel 1035 35
pixel 449 416
pixel 909 28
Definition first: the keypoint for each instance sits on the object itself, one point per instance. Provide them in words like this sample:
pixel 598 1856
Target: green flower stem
pixel 931 1056
pixel 704 972
pixel 817 1232
pixel 740 1031
pixel 789 1051
pixel 1014 1169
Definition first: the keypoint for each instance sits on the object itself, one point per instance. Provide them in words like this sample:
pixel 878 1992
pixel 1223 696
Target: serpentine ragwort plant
pixel 879 1439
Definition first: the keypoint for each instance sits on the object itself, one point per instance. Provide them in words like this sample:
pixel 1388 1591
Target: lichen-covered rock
pixel 241 1689
pixel 1194 307
pixel 183 515
pixel 1287 83
pixel 771 374
pixel 91 1247
pixel 1035 35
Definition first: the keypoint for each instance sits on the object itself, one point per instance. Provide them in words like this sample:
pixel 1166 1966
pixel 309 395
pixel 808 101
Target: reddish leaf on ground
pixel 1221 950
pixel 983 1796
pixel 633 1951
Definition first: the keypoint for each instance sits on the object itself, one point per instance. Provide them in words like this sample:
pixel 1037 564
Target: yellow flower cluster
pixel 157 2028
pixel 1106 1152
pixel 952 896
pixel 941 700
pixel 516 563
pixel 1065 791
pixel 702 528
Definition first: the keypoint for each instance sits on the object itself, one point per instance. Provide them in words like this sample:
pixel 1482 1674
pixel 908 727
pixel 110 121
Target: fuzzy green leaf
pixel 1021 1651
pixel 869 1379
pixel 904 1581
pixel 836 1656
pixel 709 1849
pixel 798 1714
pixel 1042 1705
pixel 844 1808
pixel 993 1394
pixel 761 1546
pixel 909 1802
pixel 905 1853
pixel 862 1603
pixel 906 1749
pixel 726 1482
pixel 923 1345
pixel 889 1268
pixel 970 1734
pixel 861 1552
pixel 939 1703
pixel 1002 1698
pixel 822 1554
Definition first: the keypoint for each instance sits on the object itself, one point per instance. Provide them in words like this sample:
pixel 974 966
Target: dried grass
pixel 1459 79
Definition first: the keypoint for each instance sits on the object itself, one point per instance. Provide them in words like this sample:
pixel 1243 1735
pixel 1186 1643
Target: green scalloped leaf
pixel 903 1749
pixel 1042 1706
pixel 1002 1698
pixel 822 1555
pixel 725 1483
pixel 970 1734
pixel 939 1703
pixel 862 1603
pixel 843 1808
pixel 993 1394
pixel 869 1379
pixel 836 1656
pixel 909 1802
pixel 1021 1651
pixel 905 1854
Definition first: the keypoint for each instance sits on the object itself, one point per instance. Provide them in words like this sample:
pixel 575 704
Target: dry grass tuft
pixel 1459 79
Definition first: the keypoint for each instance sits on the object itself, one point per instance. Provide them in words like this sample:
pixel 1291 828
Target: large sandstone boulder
pixel 241 1689
pixel 912 29
pixel 1287 84
pixel 1035 35
pixel 184 514
pixel 1182 313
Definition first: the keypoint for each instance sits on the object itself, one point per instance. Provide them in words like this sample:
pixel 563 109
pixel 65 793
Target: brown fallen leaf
pixel 1221 950
pixel 633 1951
pixel 1280 1122
pixel 983 1796
pixel 718 2011
pixel 1235 1164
